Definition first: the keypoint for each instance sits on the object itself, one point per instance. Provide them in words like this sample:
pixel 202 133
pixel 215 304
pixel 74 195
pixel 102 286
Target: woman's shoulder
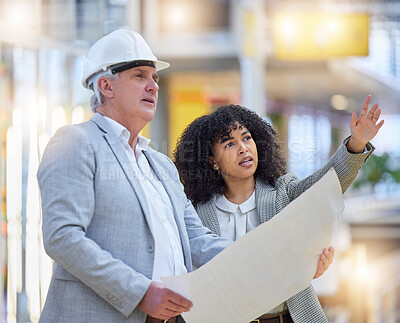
pixel 204 206
pixel 207 213
pixel 280 183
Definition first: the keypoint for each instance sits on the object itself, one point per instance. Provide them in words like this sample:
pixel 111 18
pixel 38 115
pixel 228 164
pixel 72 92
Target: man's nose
pixel 153 86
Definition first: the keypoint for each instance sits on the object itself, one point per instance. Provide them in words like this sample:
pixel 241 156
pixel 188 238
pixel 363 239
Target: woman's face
pixel 236 155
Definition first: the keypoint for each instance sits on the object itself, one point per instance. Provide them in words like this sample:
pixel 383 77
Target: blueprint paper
pixel 269 264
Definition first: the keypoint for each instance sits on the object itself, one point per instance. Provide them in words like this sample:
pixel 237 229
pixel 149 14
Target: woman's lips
pixel 246 162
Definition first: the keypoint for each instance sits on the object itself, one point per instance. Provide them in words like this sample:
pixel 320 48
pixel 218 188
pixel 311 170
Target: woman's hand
pixel 364 128
pixel 325 260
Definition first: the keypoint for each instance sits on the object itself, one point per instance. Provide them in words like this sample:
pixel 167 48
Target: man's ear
pixel 105 87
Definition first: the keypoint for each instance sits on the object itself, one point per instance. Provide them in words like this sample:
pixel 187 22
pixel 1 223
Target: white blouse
pixel 235 220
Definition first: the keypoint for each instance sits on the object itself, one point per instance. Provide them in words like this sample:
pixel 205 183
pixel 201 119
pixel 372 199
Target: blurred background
pixel 303 65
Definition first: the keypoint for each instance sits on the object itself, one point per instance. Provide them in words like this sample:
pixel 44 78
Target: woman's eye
pixel 247 138
pixel 228 145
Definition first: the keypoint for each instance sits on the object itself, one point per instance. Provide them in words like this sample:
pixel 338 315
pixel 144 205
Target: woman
pixel 232 170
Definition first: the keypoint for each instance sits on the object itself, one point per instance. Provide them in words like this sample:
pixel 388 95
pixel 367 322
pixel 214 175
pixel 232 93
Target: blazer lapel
pixel 118 150
pixel 265 201
pixel 208 215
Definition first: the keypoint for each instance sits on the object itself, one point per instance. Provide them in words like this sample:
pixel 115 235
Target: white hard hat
pixel 124 49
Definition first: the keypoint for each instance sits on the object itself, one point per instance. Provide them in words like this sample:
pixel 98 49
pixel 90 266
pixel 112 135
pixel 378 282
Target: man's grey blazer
pixel 95 226
pixel 304 307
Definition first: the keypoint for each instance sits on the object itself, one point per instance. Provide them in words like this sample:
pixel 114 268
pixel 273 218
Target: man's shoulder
pixel 71 138
pixel 77 130
pixel 162 163
pixel 156 153
pixel 159 156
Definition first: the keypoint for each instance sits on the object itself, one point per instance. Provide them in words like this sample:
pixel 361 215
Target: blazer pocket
pixel 62 274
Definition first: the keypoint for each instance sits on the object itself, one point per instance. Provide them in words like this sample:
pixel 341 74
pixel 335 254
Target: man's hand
pixel 364 128
pixel 325 259
pixel 162 303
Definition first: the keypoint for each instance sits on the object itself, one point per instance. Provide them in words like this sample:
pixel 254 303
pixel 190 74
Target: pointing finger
pixel 364 108
pixel 372 111
pixel 376 116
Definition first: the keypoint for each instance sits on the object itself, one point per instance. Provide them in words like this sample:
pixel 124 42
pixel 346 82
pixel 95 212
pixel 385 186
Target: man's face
pixel 135 95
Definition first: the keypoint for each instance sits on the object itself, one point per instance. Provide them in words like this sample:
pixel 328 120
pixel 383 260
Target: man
pixel 115 216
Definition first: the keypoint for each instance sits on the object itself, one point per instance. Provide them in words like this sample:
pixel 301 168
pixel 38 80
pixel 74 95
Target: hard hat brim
pixel 159 65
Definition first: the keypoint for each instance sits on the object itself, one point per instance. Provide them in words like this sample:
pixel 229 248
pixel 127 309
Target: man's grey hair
pixel 97 99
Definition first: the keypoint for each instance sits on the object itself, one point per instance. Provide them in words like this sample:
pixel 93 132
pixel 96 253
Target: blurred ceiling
pixel 315 84
pixel 308 84
pixel 80 22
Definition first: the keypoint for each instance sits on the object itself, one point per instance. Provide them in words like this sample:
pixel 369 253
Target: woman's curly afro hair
pixel 195 147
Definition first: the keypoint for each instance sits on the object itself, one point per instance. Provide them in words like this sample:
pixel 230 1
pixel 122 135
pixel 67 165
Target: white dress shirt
pixel 168 254
pixel 236 220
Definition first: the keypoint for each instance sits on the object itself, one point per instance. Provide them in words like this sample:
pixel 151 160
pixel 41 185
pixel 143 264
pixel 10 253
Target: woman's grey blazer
pixel 304 307
pixel 95 226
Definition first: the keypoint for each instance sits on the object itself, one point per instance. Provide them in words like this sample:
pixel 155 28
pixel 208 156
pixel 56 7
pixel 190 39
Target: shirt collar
pixel 143 142
pixel 123 133
pixel 249 204
pixel 225 205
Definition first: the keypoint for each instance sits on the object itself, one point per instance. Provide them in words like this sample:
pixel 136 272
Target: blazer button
pixel 150 248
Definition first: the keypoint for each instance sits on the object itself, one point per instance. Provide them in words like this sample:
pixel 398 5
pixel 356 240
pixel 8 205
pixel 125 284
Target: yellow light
pixel 333 25
pixel 361 269
pixel 19 15
pixel 306 36
pixel 340 102
pixel 249 39
pixel 187 103
pixel 362 272
pixel 288 27
pixel 177 14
